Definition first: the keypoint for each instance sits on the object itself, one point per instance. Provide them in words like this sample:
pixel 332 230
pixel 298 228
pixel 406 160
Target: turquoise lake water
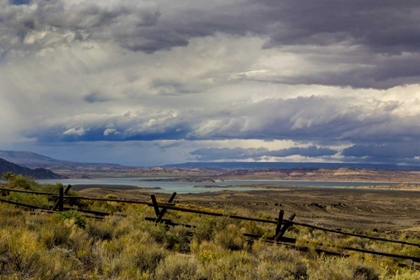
pixel 188 187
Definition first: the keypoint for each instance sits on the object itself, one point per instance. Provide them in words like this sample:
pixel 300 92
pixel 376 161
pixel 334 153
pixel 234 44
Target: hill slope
pixel 38 173
pixel 30 159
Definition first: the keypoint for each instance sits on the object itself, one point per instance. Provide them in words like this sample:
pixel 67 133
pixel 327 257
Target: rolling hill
pixel 33 160
pixel 38 173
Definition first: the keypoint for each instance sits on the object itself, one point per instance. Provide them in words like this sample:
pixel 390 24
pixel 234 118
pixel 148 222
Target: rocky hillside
pixel 38 173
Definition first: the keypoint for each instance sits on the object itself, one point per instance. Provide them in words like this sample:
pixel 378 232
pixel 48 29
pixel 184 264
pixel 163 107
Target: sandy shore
pixel 79 187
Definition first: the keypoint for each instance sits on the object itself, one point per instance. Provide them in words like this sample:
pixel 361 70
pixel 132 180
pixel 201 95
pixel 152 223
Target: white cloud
pixel 110 131
pixel 80 131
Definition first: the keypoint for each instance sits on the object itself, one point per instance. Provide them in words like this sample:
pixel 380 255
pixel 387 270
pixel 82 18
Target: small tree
pixel 19 181
pixel 8 176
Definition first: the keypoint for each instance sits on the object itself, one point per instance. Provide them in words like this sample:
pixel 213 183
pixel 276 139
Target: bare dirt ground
pixel 333 208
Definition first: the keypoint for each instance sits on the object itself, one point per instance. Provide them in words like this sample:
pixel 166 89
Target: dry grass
pixel 44 247
pixel 47 246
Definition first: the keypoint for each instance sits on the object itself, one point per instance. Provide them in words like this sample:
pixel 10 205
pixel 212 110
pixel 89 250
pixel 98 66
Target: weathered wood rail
pixel 160 209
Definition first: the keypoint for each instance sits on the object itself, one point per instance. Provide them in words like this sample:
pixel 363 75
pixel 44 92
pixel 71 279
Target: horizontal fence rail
pixel 353 234
pixel 26 191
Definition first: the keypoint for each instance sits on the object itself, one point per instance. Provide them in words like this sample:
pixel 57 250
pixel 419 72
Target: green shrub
pixel 22 182
pixel 30 199
pixel 49 188
pixel 72 215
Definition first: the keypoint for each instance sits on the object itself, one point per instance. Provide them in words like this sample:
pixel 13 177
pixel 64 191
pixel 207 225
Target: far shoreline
pixel 250 188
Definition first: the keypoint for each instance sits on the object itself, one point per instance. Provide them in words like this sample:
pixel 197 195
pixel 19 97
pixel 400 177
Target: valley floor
pixel 334 208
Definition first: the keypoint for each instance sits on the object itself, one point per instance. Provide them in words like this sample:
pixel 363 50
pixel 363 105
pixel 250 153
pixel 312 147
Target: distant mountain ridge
pixel 32 160
pixel 288 165
pixel 38 173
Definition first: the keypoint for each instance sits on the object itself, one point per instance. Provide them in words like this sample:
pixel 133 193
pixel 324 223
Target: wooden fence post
pixel 287 224
pixel 61 200
pixel 278 227
pixel 155 205
pixel 66 191
pixel 163 211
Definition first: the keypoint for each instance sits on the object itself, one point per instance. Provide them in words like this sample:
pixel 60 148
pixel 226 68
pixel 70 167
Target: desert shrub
pixel 19 253
pixel 177 239
pixel 10 216
pixel 254 228
pixel 120 224
pixel 230 238
pixel 73 215
pixel 158 232
pixel 173 238
pixel 111 206
pixel 21 182
pixel 50 188
pixel 230 265
pixel 8 176
pixel 59 263
pixel 54 234
pixel 23 257
pixel 300 272
pixel 365 273
pixel 30 199
pixel 147 257
pixel 207 256
pixel 204 229
pixel 100 230
pixel 28 183
pixel 407 275
pixel 82 246
pixel 177 267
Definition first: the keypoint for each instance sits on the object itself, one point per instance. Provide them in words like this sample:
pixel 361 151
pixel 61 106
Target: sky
pixel 143 82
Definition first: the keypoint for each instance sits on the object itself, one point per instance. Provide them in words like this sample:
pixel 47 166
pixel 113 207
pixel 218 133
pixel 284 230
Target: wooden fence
pixel 282 225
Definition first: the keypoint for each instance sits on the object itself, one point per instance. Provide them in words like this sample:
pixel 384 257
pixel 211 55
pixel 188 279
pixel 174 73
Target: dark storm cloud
pixel 382 72
pixel 384 35
pixel 167 87
pixel 387 26
pixel 19 2
pixel 385 151
pixel 94 97
pixel 87 20
pixel 128 127
pixel 94 134
pixel 209 154
pixel 313 118
pixel 311 151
